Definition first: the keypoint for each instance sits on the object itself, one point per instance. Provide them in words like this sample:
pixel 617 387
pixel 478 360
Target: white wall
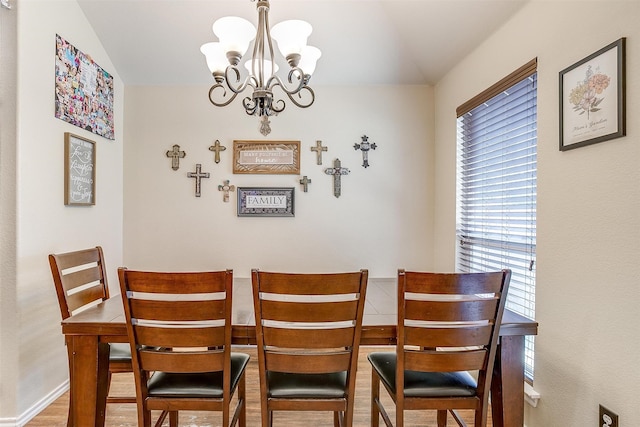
pixel 8 317
pixel 44 224
pixel 382 221
pixel 588 211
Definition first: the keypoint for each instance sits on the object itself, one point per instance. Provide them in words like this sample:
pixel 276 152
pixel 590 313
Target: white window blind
pixel 496 189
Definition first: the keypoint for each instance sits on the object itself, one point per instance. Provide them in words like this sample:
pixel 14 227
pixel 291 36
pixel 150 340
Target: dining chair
pixel 80 279
pixel 308 333
pixel 448 327
pixel 179 328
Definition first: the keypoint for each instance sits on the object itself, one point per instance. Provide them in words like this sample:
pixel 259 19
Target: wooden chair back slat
pixel 85 297
pixel 451 311
pixel 308 363
pixel 288 337
pixel 444 361
pixel 81 257
pixel 289 311
pixel 176 282
pixel 447 337
pixel 180 337
pixel 310 284
pixel 452 283
pixel 181 361
pixel 177 310
pixel 76 279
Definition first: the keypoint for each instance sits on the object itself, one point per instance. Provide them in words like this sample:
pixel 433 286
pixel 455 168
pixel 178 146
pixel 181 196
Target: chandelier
pixel 223 59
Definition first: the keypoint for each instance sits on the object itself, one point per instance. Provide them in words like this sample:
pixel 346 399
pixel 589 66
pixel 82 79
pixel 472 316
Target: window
pixel 496 188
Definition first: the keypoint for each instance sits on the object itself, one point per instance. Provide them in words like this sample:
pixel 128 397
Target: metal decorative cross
pixel 176 155
pixel 198 175
pixel 365 146
pixel 226 188
pixel 319 149
pixel 305 183
pixel 337 170
pixel 217 148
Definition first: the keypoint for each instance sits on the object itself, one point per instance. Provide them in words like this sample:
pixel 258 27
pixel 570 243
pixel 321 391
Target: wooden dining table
pixel 88 334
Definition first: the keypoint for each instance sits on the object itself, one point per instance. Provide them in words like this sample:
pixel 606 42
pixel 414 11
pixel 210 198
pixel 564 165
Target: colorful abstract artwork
pixel 84 91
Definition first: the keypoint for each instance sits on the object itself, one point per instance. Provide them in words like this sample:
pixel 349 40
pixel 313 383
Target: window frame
pixel 525 72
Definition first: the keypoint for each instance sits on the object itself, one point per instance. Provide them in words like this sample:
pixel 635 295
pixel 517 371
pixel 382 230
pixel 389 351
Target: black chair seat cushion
pixel 307 386
pixel 120 352
pixel 423 384
pixel 207 384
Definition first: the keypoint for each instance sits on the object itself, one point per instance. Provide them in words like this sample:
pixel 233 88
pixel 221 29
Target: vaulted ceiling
pixel 157 42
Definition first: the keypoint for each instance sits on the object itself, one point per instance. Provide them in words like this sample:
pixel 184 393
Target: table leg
pixel 88 378
pixel 507 383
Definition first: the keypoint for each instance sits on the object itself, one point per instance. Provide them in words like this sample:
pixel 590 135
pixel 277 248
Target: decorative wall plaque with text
pixel 265 201
pixel 266 157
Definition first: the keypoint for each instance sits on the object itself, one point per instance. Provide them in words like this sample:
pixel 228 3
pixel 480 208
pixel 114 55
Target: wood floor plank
pixel 124 415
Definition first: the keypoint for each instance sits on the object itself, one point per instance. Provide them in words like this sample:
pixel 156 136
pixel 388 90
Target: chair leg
pixel 480 418
pixel 442 418
pixel 336 419
pixel 173 419
pixel 375 395
pixel 265 412
pixel 69 421
pixel 144 418
pixel 242 418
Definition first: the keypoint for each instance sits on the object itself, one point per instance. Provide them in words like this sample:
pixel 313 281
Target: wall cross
pixel 217 148
pixel 319 149
pixel 225 187
pixel 198 175
pixel 337 171
pixel 176 155
pixel 305 183
pixel 365 146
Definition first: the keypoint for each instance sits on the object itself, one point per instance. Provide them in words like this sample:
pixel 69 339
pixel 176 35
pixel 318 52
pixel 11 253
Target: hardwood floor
pixel 124 415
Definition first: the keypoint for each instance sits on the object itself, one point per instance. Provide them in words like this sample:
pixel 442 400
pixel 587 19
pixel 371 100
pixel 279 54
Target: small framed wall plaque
pixel 79 171
pixel 266 157
pixel 253 201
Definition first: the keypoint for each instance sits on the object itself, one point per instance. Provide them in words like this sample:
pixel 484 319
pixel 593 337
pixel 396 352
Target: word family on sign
pixel 277 202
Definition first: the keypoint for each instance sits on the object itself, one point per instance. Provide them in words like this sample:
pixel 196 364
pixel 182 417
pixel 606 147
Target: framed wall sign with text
pixel 266 157
pixel 263 201
pixel 79 170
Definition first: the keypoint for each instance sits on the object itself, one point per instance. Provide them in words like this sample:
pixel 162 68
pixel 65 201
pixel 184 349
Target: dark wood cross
pixel 226 188
pixel 198 175
pixel 217 148
pixel 365 146
pixel 176 155
pixel 305 183
pixel 319 149
pixel 337 171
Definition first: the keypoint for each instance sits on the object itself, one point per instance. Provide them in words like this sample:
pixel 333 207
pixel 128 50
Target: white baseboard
pixel 38 407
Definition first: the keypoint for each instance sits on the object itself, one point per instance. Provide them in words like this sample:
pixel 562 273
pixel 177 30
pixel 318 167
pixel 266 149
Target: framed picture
pixel 592 98
pixel 264 201
pixel 266 157
pixel 79 170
